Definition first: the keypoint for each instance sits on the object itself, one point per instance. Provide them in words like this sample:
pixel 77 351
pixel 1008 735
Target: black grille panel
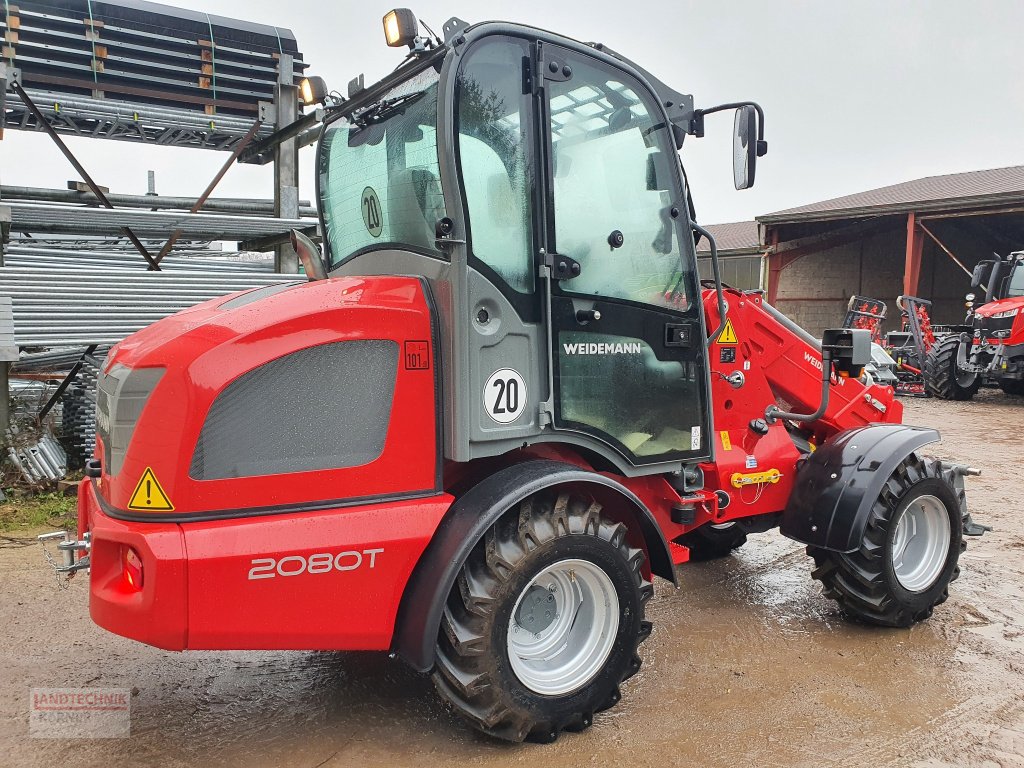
pixel 325 407
pixel 989 325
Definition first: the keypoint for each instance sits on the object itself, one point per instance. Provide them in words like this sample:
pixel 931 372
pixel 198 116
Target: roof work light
pixel 400 27
pixel 313 90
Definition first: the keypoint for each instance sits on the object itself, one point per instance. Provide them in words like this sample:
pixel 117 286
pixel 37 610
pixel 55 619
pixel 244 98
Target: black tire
pixel 942 378
pixel 864 582
pixel 708 543
pixel 473 672
pixel 1012 386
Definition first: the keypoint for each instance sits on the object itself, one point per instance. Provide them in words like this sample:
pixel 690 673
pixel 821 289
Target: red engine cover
pixel 303 560
pixel 205 348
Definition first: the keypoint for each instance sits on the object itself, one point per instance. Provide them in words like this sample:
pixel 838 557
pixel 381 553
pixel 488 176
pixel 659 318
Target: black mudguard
pixel 469 518
pixel 838 483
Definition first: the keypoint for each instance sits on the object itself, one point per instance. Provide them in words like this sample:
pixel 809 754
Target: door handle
pixel 677 335
pixel 584 316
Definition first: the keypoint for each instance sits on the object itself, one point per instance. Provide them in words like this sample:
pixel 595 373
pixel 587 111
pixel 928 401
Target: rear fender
pixel 469 518
pixel 838 484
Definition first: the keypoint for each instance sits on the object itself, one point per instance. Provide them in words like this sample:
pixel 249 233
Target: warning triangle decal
pixel 149 496
pixel 728 334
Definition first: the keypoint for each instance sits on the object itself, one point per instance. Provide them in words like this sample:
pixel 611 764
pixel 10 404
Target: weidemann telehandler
pixel 500 406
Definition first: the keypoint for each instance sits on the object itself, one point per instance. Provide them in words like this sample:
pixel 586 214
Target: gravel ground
pixel 748 665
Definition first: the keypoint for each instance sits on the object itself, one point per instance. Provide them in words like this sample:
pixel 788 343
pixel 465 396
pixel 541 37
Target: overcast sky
pixel 858 94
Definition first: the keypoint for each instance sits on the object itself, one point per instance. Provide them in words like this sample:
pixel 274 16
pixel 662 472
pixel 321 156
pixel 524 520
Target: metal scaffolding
pixel 148 55
pixel 131 70
pixel 241 206
pixel 128 121
pixel 43 218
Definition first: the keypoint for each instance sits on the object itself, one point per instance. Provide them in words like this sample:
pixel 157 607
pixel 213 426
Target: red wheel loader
pixel 501 405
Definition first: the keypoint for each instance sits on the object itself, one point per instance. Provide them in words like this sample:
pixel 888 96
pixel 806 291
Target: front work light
pixel 400 27
pixel 313 90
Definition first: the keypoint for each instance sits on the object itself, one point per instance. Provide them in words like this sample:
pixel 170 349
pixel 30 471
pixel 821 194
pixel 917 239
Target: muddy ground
pixel 748 666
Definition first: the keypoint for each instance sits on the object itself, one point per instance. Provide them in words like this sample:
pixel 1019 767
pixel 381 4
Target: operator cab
pixel 1014 287
pixel 1002 278
pixel 534 181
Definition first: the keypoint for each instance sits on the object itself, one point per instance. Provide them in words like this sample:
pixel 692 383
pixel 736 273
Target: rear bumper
pixel 319 580
pixel 156 613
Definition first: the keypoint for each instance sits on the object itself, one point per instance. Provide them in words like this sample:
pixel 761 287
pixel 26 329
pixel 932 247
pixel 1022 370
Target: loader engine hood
pixel 253 400
pixel 1013 303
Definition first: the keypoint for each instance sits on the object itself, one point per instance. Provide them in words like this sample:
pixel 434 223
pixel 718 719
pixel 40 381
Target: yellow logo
pixel 728 334
pixel 149 496
pixel 726 442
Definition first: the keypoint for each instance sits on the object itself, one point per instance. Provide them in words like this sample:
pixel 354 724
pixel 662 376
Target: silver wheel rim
pixel 921 544
pixel 723 526
pixel 577 618
pixel 965 378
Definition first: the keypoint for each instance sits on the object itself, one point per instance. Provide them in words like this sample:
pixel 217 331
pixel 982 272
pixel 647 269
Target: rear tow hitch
pixel 67 547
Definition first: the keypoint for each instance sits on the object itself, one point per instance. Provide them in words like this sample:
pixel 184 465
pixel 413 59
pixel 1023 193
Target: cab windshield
pixel 379 178
pixel 1016 285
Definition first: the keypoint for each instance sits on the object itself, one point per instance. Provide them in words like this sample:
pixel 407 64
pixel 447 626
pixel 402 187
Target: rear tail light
pixel 131 566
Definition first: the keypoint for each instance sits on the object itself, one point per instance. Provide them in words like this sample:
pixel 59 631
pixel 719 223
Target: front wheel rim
pixel 563 627
pixel 920 546
pixel 965 379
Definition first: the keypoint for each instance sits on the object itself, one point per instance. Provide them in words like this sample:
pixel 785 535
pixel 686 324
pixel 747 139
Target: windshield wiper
pixel 384 109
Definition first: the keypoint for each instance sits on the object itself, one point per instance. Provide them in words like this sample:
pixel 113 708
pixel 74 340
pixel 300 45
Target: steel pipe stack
pixel 78 419
pixel 141 71
pixel 59 307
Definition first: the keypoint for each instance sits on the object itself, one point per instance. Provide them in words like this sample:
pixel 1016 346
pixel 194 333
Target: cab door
pixel 627 356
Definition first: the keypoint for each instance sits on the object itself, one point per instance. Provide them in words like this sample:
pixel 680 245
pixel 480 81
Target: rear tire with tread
pixel 942 378
pixel 864 582
pixel 472 670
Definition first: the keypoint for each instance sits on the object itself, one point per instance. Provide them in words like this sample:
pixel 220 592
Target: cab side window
pixel 612 171
pixel 493 123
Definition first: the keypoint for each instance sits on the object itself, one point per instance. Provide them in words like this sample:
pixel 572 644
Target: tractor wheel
pixel 544 621
pixel 908 555
pixel 943 378
pixel 712 541
pixel 1012 386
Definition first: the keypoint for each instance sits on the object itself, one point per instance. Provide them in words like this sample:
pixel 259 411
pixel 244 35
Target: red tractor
pixel 501 405
pixel 991 350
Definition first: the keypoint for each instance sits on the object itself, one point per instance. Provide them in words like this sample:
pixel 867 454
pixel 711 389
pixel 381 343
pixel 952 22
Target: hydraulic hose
pixel 772 413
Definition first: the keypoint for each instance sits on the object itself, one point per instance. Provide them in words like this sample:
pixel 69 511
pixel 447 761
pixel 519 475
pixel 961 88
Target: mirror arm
pixel 697 123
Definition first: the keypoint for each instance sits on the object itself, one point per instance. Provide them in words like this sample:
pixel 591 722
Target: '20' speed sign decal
pixel 505 396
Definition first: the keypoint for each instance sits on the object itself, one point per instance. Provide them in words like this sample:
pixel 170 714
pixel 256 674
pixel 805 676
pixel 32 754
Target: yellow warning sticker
pixel 728 334
pixel 149 496
pixel 726 442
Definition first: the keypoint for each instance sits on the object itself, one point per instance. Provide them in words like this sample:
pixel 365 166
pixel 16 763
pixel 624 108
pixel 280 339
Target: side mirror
pixel 744 147
pixel 980 272
pixel 309 255
pixel 995 281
